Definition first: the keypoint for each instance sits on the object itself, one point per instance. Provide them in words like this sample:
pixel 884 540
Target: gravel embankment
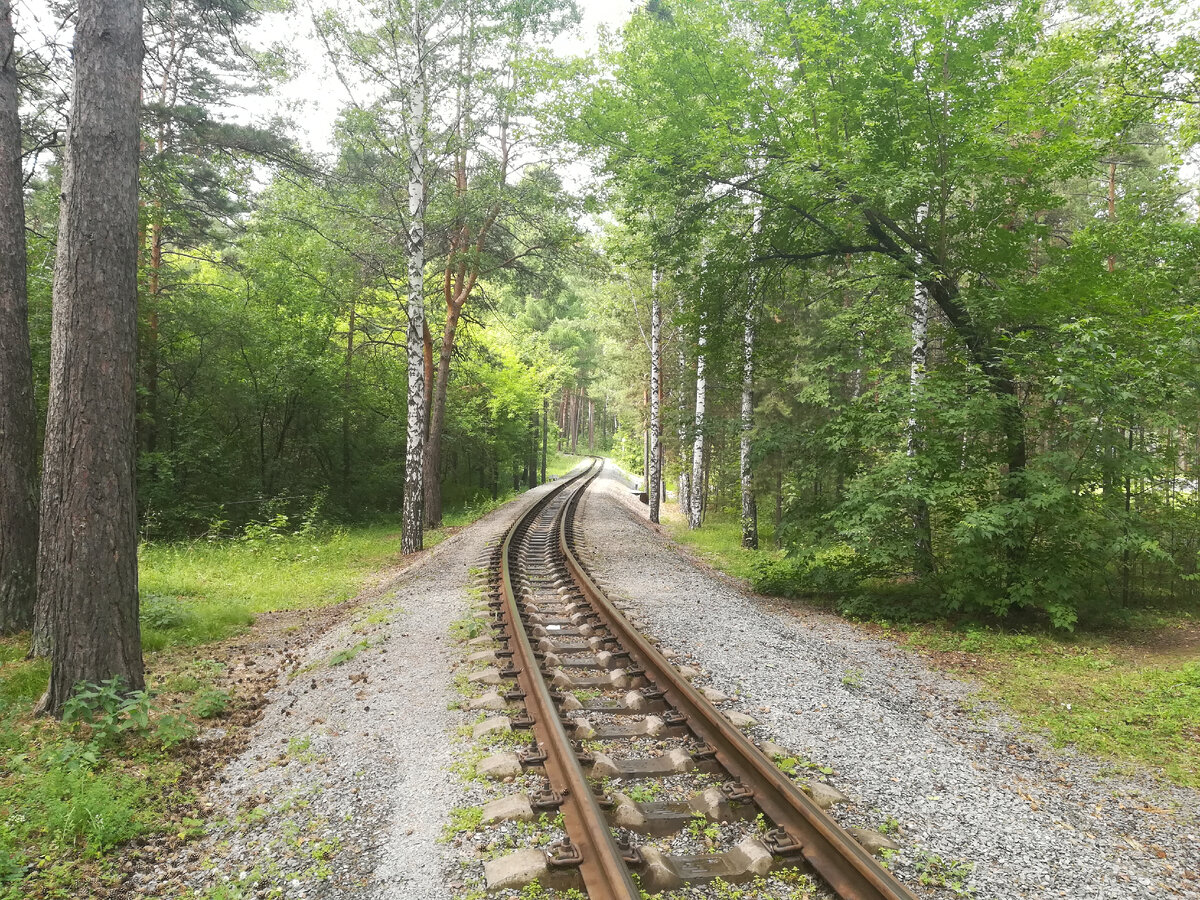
pixel 347 785
pixel 967 786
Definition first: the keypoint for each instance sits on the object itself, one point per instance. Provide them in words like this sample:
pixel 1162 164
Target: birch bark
pixel 412 520
pixel 654 487
pixel 696 500
pixel 749 507
pixel 922 538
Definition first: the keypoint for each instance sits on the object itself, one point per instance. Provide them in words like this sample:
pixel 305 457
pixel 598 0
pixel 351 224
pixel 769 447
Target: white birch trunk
pixel 655 486
pixel 412 538
pixel 922 549
pixel 749 508
pixel 696 500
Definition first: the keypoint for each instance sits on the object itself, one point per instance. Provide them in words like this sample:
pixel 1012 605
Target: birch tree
pixel 696 482
pixel 416 123
pixel 749 505
pixel 922 538
pixel 655 483
pixel 18 416
pixel 87 603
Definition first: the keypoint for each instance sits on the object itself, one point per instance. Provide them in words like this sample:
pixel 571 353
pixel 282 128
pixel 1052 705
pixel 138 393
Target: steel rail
pixel 602 867
pixel 848 868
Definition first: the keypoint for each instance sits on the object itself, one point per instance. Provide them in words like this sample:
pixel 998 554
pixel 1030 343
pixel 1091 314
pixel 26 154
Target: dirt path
pixel 342 786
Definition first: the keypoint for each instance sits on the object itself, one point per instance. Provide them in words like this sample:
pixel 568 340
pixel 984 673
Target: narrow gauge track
pixel 566 640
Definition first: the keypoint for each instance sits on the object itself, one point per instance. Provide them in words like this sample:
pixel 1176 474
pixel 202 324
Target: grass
pixel 1127 696
pixel 719 542
pixel 67 799
pixel 1089 690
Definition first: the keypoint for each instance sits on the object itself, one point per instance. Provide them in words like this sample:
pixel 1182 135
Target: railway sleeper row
pixel 625 737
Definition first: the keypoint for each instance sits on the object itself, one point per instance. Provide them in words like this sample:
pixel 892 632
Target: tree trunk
pixel 919 508
pixel 87 560
pixel 655 397
pixel 531 457
pixel 347 384
pixel 749 507
pixel 591 425
pixel 18 413
pixel 696 501
pixel 437 420
pixel 545 433
pixel 412 520
pixel 684 498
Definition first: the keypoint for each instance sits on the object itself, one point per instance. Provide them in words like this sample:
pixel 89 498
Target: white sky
pixel 316 96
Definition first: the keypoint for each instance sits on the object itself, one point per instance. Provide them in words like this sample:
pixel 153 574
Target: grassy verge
pixel 71 794
pixel 1130 696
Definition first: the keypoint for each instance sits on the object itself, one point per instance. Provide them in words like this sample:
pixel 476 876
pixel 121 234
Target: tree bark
pixel 749 507
pixel 87 560
pixel 18 413
pixel 347 384
pixel 696 501
pixel 545 433
pixel 655 397
pixel 412 520
pixel 684 498
pixel 923 564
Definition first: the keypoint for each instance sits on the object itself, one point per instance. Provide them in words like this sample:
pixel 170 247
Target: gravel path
pixel 346 785
pixel 904 742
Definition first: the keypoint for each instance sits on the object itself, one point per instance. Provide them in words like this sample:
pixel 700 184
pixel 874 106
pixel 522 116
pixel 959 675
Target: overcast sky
pixel 321 96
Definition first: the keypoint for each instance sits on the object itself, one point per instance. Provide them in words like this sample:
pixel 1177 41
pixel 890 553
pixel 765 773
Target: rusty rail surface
pixel 804 832
pixel 601 866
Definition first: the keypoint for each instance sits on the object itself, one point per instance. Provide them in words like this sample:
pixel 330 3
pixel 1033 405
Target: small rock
pixel 872 841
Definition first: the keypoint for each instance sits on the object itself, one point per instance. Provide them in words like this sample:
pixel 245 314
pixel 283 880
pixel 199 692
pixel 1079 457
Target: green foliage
pixel 108 710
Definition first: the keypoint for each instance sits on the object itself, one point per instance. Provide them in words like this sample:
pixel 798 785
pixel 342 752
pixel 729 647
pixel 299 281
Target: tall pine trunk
pixel 18 414
pixel 87 562
pixel 545 433
pixel 412 520
pixel 437 421
pixel 696 500
pixel 654 487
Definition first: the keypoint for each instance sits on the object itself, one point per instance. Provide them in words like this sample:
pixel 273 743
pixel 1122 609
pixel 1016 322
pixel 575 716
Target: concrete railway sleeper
pixel 607 710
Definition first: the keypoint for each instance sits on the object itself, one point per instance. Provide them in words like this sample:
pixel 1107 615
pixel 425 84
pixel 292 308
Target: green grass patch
pixel 199 591
pixel 719 543
pixel 1087 690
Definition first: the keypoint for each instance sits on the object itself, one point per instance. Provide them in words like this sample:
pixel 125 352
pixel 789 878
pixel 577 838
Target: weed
pixel 462 819
pixel 949 874
pixel 348 653
pixel 852 678
pixel 210 703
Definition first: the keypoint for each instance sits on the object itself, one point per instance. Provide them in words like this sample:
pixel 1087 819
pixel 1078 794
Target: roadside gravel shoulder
pixel 347 781
pixel 977 799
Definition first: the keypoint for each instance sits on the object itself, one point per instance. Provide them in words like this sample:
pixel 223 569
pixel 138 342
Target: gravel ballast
pixel 971 791
pixel 347 783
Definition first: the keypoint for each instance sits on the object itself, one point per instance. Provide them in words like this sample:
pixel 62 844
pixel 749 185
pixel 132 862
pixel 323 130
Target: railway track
pixel 611 720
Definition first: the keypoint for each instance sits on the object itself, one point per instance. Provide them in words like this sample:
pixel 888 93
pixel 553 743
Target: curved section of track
pixel 591 682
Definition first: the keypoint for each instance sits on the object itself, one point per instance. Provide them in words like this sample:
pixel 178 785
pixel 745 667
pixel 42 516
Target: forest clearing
pixel 562 449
